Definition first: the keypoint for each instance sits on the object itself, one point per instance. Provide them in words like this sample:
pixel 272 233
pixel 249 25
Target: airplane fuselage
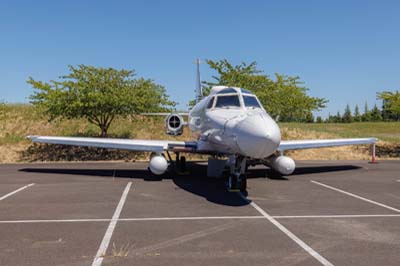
pixel 232 121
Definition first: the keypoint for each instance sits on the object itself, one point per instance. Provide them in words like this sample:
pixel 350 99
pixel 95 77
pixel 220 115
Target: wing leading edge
pixel 123 144
pixel 322 143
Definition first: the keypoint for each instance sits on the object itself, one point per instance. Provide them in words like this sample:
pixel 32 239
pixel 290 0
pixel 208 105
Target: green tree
pixel 357 115
pixel 284 96
pixel 338 118
pixel 319 120
pixel 366 117
pixel 391 104
pixel 309 118
pixel 98 94
pixel 347 117
pixel 376 114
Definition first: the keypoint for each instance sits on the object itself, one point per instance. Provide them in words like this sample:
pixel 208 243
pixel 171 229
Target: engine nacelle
pixel 174 124
pixel 158 165
pixel 282 164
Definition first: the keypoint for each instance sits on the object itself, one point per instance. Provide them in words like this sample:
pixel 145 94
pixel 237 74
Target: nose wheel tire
pixel 243 184
pixel 237 183
pixel 237 179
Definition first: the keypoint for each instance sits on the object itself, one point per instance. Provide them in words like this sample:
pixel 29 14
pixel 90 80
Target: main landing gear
pixel 179 164
pixel 237 178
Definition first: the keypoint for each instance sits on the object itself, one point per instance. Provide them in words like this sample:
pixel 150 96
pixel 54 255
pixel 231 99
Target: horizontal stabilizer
pixel 166 114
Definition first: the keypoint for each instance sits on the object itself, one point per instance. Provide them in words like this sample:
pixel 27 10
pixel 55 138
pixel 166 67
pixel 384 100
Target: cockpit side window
pixel 210 103
pixel 227 101
pixel 251 101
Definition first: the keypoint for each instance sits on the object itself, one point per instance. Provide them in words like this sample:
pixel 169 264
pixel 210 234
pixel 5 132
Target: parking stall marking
pixel 356 196
pixel 292 236
pixel 340 216
pixel 194 218
pixel 134 219
pixel 97 261
pixel 16 191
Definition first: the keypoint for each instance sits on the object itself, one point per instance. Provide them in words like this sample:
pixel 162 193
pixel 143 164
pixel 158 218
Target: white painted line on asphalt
pixel 199 218
pixel 356 196
pixel 15 191
pixel 334 216
pixel 53 221
pixel 133 219
pixel 191 218
pixel 107 237
pixel 298 241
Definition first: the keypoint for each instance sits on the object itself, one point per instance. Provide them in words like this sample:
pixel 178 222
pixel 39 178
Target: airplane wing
pixel 123 144
pixel 322 143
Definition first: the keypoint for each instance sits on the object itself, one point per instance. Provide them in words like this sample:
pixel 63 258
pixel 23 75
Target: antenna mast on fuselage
pixel 199 90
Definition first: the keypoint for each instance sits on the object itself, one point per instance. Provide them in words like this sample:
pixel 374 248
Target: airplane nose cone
pixel 258 136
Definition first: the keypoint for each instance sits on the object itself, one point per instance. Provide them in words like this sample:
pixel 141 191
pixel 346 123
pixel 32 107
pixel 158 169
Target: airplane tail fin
pixel 199 89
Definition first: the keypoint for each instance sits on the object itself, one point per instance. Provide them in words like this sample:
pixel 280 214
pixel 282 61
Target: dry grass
pixel 19 121
pixel 10 153
pixel 122 251
pixel 337 153
pixel 385 148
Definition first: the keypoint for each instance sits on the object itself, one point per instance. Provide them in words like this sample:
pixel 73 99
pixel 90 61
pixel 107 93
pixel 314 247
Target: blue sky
pixel 344 51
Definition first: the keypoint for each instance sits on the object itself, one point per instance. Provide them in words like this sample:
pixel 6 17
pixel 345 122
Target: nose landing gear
pixel 237 179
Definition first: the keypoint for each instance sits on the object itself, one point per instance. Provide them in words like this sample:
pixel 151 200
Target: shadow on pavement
pixel 195 182
pixel 323 169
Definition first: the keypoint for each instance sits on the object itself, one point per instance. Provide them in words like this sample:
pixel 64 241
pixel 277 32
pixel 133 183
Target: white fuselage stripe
pixel 356 196
pixel 107 236
pixel 16 191
pixel 298 241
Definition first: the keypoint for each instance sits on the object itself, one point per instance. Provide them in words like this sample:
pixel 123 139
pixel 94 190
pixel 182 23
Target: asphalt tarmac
pixel 326 213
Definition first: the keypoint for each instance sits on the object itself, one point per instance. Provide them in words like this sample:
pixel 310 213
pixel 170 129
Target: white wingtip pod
pixel 158 165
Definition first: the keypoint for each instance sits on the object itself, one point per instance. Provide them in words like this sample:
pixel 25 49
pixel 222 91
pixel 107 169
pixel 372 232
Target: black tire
pixel 243 184
pixel 182 163
pixel 234 183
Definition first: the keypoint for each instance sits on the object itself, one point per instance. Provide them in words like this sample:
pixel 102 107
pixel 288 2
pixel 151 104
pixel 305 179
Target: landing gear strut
pixel 237 179
pixel 180 163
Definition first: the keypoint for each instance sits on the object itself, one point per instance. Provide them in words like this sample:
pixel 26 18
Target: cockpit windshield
pixel 227 90
pixel 245 91
pixel 227 101
pixel 251 101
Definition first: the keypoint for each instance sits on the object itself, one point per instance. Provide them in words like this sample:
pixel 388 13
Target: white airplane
pixel 229 123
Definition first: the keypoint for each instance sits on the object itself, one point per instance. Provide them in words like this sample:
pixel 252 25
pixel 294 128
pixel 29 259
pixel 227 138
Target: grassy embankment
pixel 18 121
